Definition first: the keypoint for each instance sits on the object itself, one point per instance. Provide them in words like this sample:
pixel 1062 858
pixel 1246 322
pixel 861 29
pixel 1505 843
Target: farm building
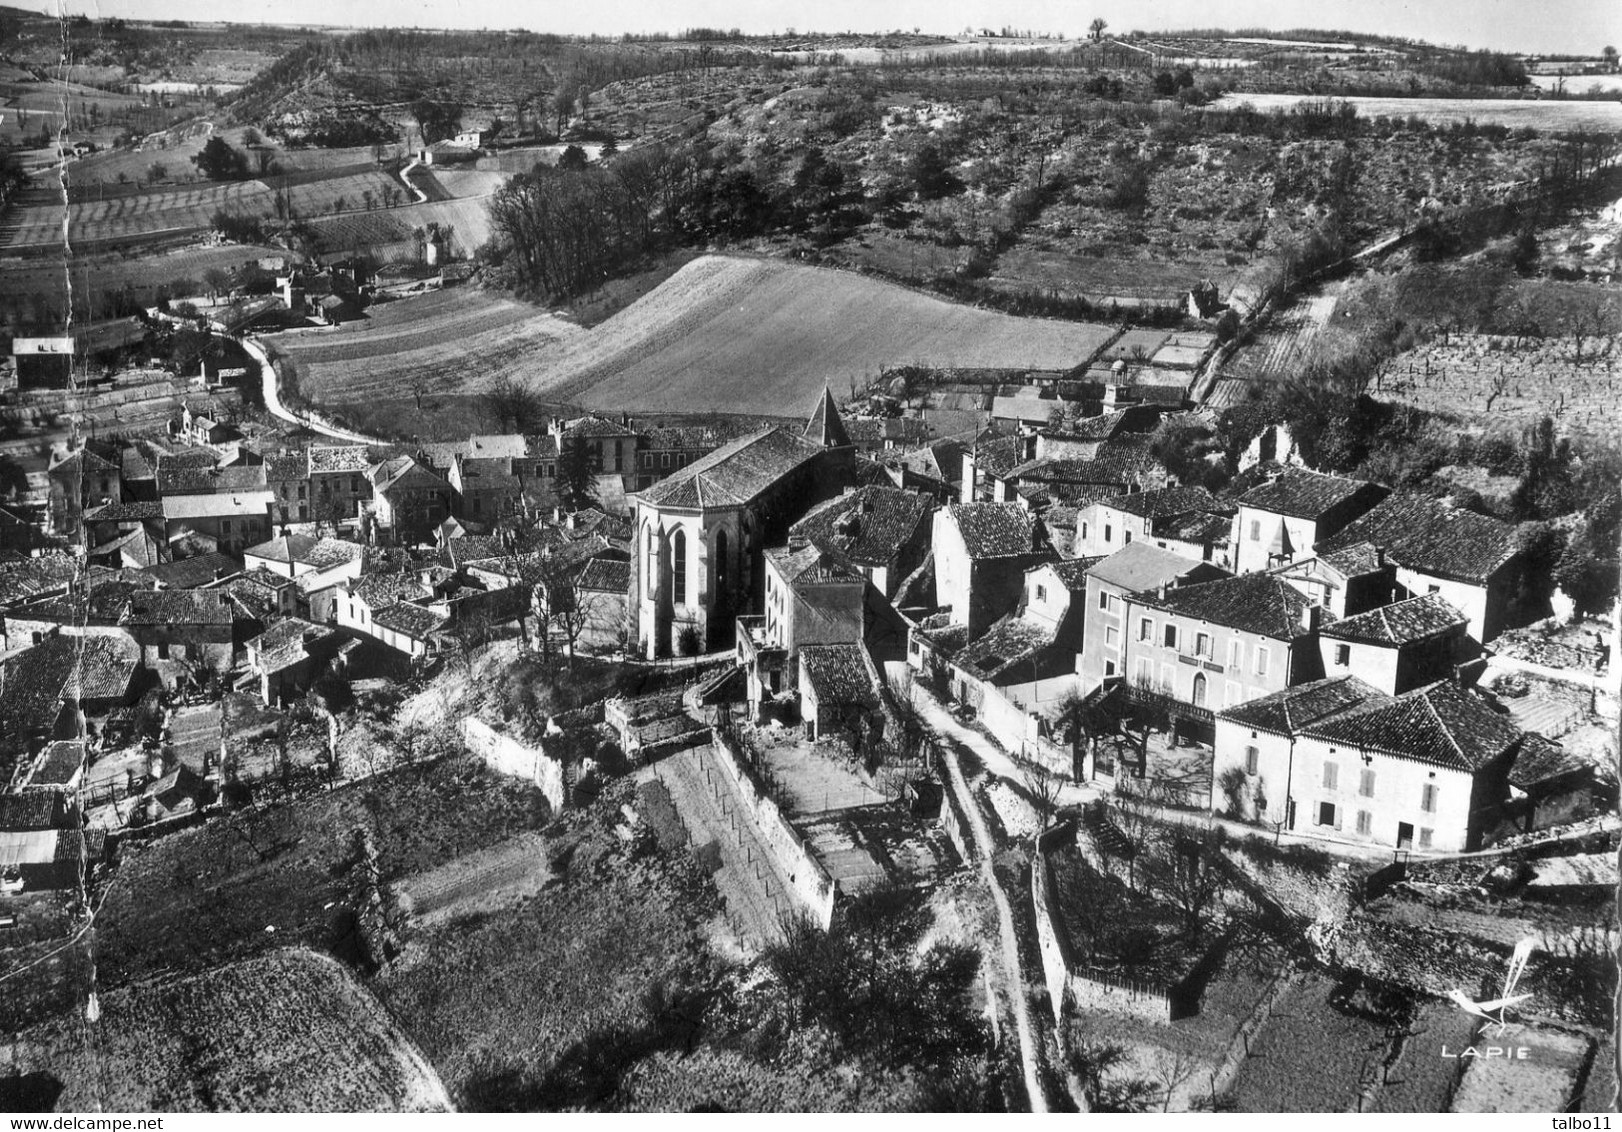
pixel 839 691
pixel 194 626
pixel 287 658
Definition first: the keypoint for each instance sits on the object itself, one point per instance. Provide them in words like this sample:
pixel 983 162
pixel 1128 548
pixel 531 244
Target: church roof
pixel 825 426
pixel 735 473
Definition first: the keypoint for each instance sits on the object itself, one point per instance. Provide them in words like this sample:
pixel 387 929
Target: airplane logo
pixel 1495 1010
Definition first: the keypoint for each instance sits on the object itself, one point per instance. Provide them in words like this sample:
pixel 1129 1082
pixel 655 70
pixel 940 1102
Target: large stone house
pixel 1471 560
pixel 1110 585
pixel 1285 516
pixel 1427 770
pixel 409 499
pixel 982 551
pixel 1184 520
pixel 1397 647
pixel 883 532
pixel 701 532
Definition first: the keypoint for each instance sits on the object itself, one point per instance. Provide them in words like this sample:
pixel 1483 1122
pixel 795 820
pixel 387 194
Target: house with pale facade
pixel 1211 645
pixel 1399 646
pixel 982 551
pixel 1290 512
pixel 1471 560
pixel 409 499
pixel 1426 771
pixel 1110 584
pixel 1189 521
pixel 811 598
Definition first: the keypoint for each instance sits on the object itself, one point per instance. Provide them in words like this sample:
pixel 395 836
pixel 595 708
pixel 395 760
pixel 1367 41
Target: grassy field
pixel 1536 114
pixel 387 232
pixel 290 1031
pixel 762 337
pixel 1308 1056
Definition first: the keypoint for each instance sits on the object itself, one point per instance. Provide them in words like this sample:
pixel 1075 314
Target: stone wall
pixel 808 880
pixel 505 755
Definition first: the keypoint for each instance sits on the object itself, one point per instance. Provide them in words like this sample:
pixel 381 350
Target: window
pixel 1235 652
pixel 1112 636
pixel 1126 538
pixel 1331 775
pixel 1230 694
pixel 1109 668
pixel 1146 629
pixel 1109 532
pixel 1427 798
pixel 1199 689
pixel 1261 660
pixel 225 525
pixel 1103 600
pixel 1202 644
pixel 354 483
pixel 1146 670
pixel 1171 636
pixel 678 568
pixel 1255 530
pixel 1326 814
pixel 1084 532
pixel 1343 655
pixel 1041 593
pixel 1435 590
pixel 1253 760
pixel 664 459
pixel 301 491
pixel 1424 838
pixel 1365 783
pixel 722 563
pixel 1365 822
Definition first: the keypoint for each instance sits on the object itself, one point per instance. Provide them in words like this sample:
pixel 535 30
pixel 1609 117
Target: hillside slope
pixel 762 337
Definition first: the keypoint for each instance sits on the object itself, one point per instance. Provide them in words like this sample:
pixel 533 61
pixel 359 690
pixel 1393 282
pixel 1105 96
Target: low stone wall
pixel 1088 990
pixel 505 755
pixel 808 880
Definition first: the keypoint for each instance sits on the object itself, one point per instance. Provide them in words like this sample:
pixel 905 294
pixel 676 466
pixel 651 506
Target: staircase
pixel 1105 833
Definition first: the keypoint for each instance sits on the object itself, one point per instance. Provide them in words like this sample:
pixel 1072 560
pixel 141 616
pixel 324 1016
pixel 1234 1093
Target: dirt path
pixel 479 882
pixel 273 400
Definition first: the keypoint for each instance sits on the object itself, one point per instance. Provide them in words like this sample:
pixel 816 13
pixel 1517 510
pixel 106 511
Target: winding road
pixel 273 400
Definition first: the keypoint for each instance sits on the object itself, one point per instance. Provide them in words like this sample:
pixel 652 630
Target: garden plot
pixel 188 208
pixel 1541 1082
pixel 1308 1056
pixel 388 232
pixel 479 882
pixel 291 1031
pixel 1183 350
pixel 1421 1079
pixel 807 780
pixel 1511 382
pixel 1284 343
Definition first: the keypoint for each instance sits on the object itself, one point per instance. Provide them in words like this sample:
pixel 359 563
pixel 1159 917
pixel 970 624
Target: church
pixel 701 533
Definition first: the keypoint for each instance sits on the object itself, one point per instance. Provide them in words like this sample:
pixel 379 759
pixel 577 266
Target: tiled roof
pixel 1401 623
pixel 735 473
pixel 403 471
pixel 1543 760
pixel 34 810
pixel 1199 527
pixel 594 426
pixel 184 480
pixel 124 512
pixel 810 565
pixel 1164 502
pixel 997 530
pixel 103 665
pixel 705 437
pixel 838 674
pixel 604 575
pixel 1304 494
pixel 1006 646
pixel 188 573
pixel 26 577
pixel 33 682
pixel 1139 566
pixel 58 764
pixel 381 590
pixel 328 553
pixel 349 458
pixel 187 607
pixel 1433 537
pixel 1355 560
pixel 1441 724
pixel 1252 603
pixel 414 621
pixel 1000 456
pixel 1286 712
pixel 867 526
pixel 1116 464
pixel 284 643
pixel 1072 572
pixel 287 467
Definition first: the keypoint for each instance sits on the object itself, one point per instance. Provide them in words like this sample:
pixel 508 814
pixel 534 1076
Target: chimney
pixel 1160 591
pixel 1112 393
